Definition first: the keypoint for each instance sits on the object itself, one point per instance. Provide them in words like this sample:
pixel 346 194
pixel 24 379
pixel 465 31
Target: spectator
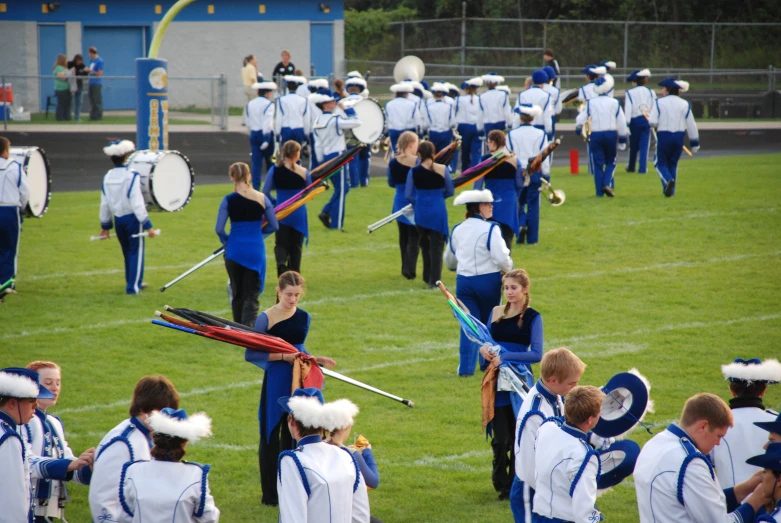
pixel 62 88
pixel 339 88
pixel 95 85
pixel 250 76
pixel 77 86
pixel 285 67
pixel 548 60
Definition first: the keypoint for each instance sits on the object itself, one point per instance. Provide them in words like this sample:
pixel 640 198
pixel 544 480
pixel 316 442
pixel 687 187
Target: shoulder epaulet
pixel 357 468
pixel 691 454
pixel 590 453
pixel 121 438
pixel 292 454
pixel 204 474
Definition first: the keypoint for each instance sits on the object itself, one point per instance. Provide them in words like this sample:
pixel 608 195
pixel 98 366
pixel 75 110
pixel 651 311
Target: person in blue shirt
pixel 95 85
pixel 245 250
pixel 398 169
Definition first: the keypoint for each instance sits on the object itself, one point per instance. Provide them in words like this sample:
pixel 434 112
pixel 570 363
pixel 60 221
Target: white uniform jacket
pixel 18 467
pixel 674 114
pixel 526 141
pixel 555 97
pixel 567 472
pixel 606 115
pixel 675 483
pixel 742 441
pixel 121 195
pixel 476 247
pixel 447 99
pixel 469 111
pixel 260 115
pixel 774 516
pixel 45 438
pixel 329 132
pixel 539 405
pixel 541 98
pixel 321 483
pixel 14 189
pixel 587 92
pixel 292 113
pixel 496 107
pixel 129 441
pixel 638 101
pixel 166 492
pixel 303 91
pixel 401 114
pixel 439 117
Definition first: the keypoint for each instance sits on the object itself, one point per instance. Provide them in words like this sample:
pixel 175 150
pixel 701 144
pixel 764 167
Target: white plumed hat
pixel 338 414
pixel 474 196
pixel 178 424
pixel 604 84
pixel 119 148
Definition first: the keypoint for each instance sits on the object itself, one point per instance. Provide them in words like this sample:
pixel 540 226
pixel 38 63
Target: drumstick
pixel 98 238
pixel 146 233
pixel 686 150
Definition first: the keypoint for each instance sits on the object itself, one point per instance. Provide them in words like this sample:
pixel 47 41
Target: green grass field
pixel 675 287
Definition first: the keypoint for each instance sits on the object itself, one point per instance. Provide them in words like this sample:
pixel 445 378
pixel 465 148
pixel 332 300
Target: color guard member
pixel 672 117
pixel 398 169
pixel 638 102
pixel 537 95
pixel 469 117
pixel 401 113
pixel 122 205
pixel 260 114
pixel 291 121
pixel 608 124
pixel 14 194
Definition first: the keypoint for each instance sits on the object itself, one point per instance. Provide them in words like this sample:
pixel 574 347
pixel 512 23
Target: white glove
pixel 622 147
pixel 695 149
pixel 264 146
pixel 600 443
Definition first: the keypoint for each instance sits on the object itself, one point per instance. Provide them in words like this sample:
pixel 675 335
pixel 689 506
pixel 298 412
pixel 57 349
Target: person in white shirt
pixel 19 391
pixel 748 381
pixel 122 205
pixel 567 467
pixel 469 118
pixel 672 117
pixel 314 113
pixel 638 102
pixel 608 125
pixel 291 120
pixel 166 489
pixel 14 194
pixel 329 140
pixel 592 72
pixel 401 113
pixel 46 439
pixel 260 114
pixel 555 97
pixel 439 118
pixel 317 482
pixel 674 479
pixel 359 165
pixel 560 372
pixel 129 441
pixel 495 104
pixel 537 95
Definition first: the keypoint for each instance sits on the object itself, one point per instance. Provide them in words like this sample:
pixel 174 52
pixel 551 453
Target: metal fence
pixel 200 96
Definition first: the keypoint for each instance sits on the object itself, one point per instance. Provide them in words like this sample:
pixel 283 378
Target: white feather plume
pixel 195 427
pixel 404 87
pixel 320 83
pixel 338 414
pixel 605 86
pixel 355 81
pixel 493 79
pixel 16 386
pixel 599 70
pixel 474 196
pixel 317 98
pixel 440 86
pixel 644 73
pixel 291 78
pixel 534 110
pixel 354 74
pixel 610 65
pixel 475 82
pixel 308 411
pixel 119 149
pixel 768 370
pixel 684 86
pixel 269 86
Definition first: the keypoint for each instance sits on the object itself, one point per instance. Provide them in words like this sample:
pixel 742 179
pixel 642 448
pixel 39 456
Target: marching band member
pixel 245 250
pixel 260 120
pixel 517 328
pixel 150 394
pixel 609 65
pixel 45 437
pixel 14 194
pixel 329 140
pixel 478 255
pixel 314 113
pixel 770 462
pixel 748 381
pixel 672 116
pixel 439 118
pixel 398 169
pixel 303 90
pixel 567 465
pixel 555 94
pixel 608 123
pixel 592 72
pixel 359 165
pixel 290 323
pixel 674 479
pixel 401 113
pixel 288 178
pixel 469 117
pixel 19 391
pixel 504 182
pixel 560 372
pixel 497 113
pixel 452 95
pixel 527 142
pixel 550 61
pixel 122 204
pixel 291 121
pixel 637 106
pixel 428 186
pixel 537 95
pixel 165 488
pixel 317 482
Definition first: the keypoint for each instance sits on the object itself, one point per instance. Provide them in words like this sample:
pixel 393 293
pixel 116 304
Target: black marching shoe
pixel 326 219
pixel 143 286
pixel 522 235
pixel 607 190
pixel 629 169
pixel 668 189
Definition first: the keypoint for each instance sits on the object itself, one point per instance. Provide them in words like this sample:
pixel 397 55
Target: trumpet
pixel 555 197
pixel 275 156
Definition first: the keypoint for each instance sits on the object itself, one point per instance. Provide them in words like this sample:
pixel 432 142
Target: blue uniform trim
pixel 121 438
pixel 17 436
pixel 534 412
pixel 490 231
pixel 692 454
pixel 130 189
pixel 292 454
pixel 590 453
pixel 202 502
pixel 357 469
pixel 450 243
pixel 282 109
pixel 122 500
pixel 19 181
pixel 689 110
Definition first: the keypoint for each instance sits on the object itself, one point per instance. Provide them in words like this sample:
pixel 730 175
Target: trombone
pixel 555 197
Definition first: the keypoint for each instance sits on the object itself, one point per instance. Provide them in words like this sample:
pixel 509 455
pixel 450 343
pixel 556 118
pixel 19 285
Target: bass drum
pixel 167 179
pixel 39 178
pixel 372 117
